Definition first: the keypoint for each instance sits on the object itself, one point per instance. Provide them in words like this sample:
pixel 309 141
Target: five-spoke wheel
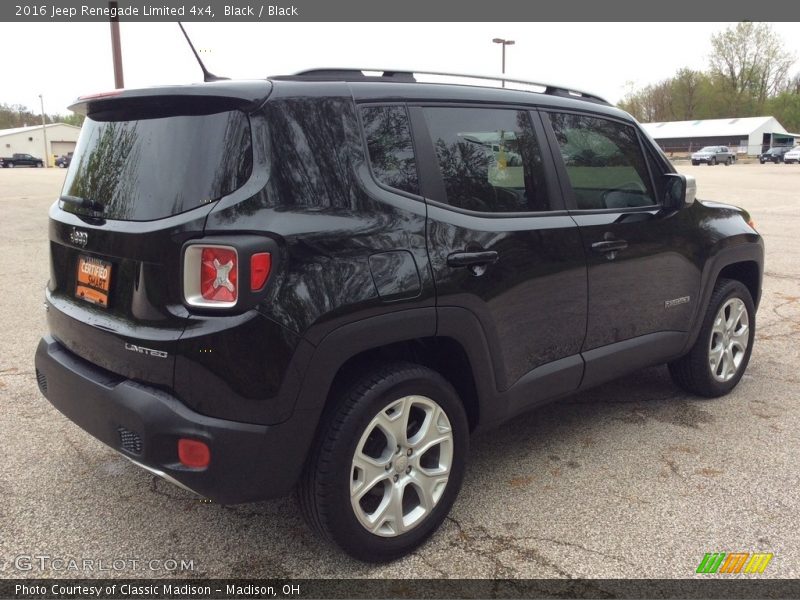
pixel 729 339
pixel 716 362
pixel 389 462
pixel 401 465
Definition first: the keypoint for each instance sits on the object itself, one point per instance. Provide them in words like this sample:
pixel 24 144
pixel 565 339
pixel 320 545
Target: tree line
pixel 17 115
pixel 748 75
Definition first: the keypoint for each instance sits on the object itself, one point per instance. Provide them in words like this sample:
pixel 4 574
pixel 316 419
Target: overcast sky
pixel 64 60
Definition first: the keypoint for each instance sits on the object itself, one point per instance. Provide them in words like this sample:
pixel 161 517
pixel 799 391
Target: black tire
pixel 692 372
pixel 728 162
pixel 713 161
pixel 695 163
pixel 324 491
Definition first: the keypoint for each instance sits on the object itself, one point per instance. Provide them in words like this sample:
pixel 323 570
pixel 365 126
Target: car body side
pixel 358 279
pixel 720 155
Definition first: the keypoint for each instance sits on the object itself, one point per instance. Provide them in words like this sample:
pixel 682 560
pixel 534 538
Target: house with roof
pixel 61 138
pixel 746 135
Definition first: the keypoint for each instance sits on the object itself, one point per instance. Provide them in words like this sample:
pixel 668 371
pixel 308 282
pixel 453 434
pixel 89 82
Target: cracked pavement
pixel 632 479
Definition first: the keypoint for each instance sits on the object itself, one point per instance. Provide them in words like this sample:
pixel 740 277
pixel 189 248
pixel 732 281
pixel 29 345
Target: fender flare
pixel 349 340
pixel 747 251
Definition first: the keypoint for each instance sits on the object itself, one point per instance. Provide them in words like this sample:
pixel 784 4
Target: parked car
pixel 712 155
pixel 774 155
pixel 20 160
pixel 64 160
pixel 343 285
pixel 792 156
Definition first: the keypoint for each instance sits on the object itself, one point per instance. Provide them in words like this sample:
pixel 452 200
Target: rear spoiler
pixel 199 98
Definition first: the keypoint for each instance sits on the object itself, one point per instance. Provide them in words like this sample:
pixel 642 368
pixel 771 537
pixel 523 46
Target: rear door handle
pixel 609 246
pixel 476 262
pixel 468 259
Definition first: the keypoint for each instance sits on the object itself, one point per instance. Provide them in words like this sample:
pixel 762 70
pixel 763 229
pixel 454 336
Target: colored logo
pixel 734 562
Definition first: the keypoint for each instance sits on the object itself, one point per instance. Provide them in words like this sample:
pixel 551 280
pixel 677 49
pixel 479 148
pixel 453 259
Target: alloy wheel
pixel 401 466
pixel 730 336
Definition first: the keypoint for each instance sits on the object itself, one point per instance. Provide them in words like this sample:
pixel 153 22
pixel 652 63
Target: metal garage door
pixel 59 148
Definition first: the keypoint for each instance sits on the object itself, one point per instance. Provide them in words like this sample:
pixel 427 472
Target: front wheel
pixel 712 162
pixel 719 357
pixel 388 463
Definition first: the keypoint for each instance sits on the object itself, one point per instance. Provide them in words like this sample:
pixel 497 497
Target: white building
pixel 748 135
pixel 61 138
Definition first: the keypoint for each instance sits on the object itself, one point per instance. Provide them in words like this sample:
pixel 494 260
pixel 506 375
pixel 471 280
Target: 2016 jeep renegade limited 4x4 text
pixel 327 281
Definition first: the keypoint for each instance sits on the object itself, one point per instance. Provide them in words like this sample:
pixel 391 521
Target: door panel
pixel 532 301
pixel 499 245
pixel 641 276
pixel 629 291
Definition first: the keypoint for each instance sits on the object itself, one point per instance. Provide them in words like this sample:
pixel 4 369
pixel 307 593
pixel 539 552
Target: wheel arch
pixel 746 272
pixel 743 262
pixel 460 354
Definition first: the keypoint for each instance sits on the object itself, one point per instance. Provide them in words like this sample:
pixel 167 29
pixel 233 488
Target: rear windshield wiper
pixel 85 203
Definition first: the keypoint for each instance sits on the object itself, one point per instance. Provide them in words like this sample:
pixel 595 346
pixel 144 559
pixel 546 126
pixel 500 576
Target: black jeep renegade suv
pixel 328 281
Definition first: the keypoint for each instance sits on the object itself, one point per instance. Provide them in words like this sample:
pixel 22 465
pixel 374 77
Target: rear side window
pixel 489 159
pixel 147 169
pixel 604 162
pixel 391 152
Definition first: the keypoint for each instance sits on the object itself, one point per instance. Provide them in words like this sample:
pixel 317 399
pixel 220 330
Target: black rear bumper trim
pixel 248 462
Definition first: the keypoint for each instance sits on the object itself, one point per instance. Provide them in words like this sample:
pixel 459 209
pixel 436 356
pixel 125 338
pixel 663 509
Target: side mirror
pixel 680 190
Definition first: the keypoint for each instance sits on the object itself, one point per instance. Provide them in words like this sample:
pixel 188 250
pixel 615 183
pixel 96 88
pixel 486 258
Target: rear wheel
pixel 728 161
pixel 695 163
pixel 719 357
pixel 10 165
pixel 388 463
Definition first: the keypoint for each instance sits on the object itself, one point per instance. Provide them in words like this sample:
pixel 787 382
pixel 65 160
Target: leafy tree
pixel 685 90
pixel 786 108
pixel 17 115
pixel 751 61
pixel 747 76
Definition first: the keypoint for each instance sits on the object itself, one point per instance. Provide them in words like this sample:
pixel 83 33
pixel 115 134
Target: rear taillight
pixel 211 276
pixel 219 274
pixel 260 265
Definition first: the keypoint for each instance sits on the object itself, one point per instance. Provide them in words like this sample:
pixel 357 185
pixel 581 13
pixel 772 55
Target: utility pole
pixel 504 44
pixel 46 157
pixel 116 46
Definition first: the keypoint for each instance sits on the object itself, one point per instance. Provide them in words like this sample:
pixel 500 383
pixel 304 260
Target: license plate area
pixel 93 280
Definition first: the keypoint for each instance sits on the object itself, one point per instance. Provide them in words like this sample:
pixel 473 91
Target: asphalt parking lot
pixel 632 479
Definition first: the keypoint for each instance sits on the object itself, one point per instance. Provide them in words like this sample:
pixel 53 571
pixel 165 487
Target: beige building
pixel 747 135
pixel 61 138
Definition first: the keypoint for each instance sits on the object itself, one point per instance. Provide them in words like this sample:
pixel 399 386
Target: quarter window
pixel 489 159
pixel 391 152
pixel 604 162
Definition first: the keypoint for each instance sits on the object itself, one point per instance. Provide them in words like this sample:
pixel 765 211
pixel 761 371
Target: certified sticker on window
pixel 93 280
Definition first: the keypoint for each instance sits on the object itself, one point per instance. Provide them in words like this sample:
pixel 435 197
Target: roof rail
pixel 407 76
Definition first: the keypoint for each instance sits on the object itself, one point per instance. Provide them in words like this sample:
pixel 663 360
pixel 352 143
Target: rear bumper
pixel 248 462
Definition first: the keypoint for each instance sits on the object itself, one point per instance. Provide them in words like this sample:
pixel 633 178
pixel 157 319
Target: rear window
pixel 391 152
pixel 147 169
